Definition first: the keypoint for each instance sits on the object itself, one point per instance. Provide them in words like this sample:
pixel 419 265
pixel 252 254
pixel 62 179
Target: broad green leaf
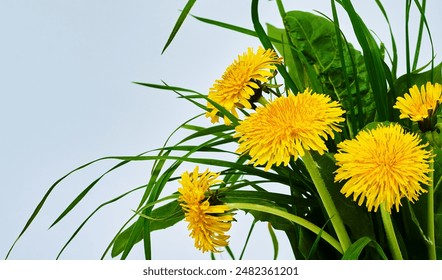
pixel 315 38
pixel 296 69
pixel 418 79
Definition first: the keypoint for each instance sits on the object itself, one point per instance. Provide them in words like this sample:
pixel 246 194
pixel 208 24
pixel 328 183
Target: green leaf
pixel 418 79
pixel 274 241
pixel 267 44
pixel 374 61
pixel 296 68
pixel 46 196
pixel 227 26
pixel 162 217
pixel 179 22
pixel 93 213
pixel 356 218
pixel 355 250
pixel 314 38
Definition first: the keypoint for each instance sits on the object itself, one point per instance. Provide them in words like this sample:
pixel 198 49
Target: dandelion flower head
pixel 207 221
pixel 240 80
pixel 287 127
pixel 420 104
pixel 383 165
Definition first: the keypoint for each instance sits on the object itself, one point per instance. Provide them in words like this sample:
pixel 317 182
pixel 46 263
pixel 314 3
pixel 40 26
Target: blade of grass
pixel 220 108
pixel 420 33
pixel 351 120
pixel 249 234
pixel 356 248
pixel 214 162
pixel 296 219
pixel 179 22
pixel 158 185
pixel 93 213
pixel 229 251
pixel 274 241
pixel 84 193
pixel 267 44
pixel 394 61
pixel 423 18
pixel 116 236
pixel 227 26
pixel 373 60
pixel 407 41
pixel 232 27
pixel 45 197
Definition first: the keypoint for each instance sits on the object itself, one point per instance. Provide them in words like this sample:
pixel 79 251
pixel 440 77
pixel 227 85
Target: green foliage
pixel 310 47
pixel 318 56
pixel 355 250
pixel 162 217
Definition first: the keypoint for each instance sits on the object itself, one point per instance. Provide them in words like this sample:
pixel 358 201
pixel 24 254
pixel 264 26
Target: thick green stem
pixel 296 219
pixel 327 201
pixel 430 217
pixel 391 236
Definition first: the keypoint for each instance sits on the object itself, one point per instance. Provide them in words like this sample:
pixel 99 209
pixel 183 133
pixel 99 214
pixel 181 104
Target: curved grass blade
pixel 274 241
pixel 351 123
pixel 424 20
pixel 267 44
pixel 420 32
pixel 249 234
pixel 84 192
pixel 179 22
pixel 159 184
pixel 407 41
pixel 43 200
pixel 166 87
pixel 214 162
pixel 93 213
pixel 220 108
pixel 373 60
pixel 143 226
pixel 233 28
pixel 229 251
pixel 227 26
pixel 293 218
pixel 355 250
pixel 394 60
pixel 120 231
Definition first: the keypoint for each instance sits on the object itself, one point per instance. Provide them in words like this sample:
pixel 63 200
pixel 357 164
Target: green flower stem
pixel 327 201
pixel 293 218
pixel 430 216
pixel 389 231
pixel 263 101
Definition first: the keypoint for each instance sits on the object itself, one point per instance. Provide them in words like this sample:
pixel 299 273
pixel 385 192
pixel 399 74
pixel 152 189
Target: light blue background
pixel 66 72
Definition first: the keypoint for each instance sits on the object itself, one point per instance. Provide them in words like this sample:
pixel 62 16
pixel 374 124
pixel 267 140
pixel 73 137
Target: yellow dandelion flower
pixel 383 165
pixel 240 80
pixel 287 127
pixel 208 222
pixel 419 105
